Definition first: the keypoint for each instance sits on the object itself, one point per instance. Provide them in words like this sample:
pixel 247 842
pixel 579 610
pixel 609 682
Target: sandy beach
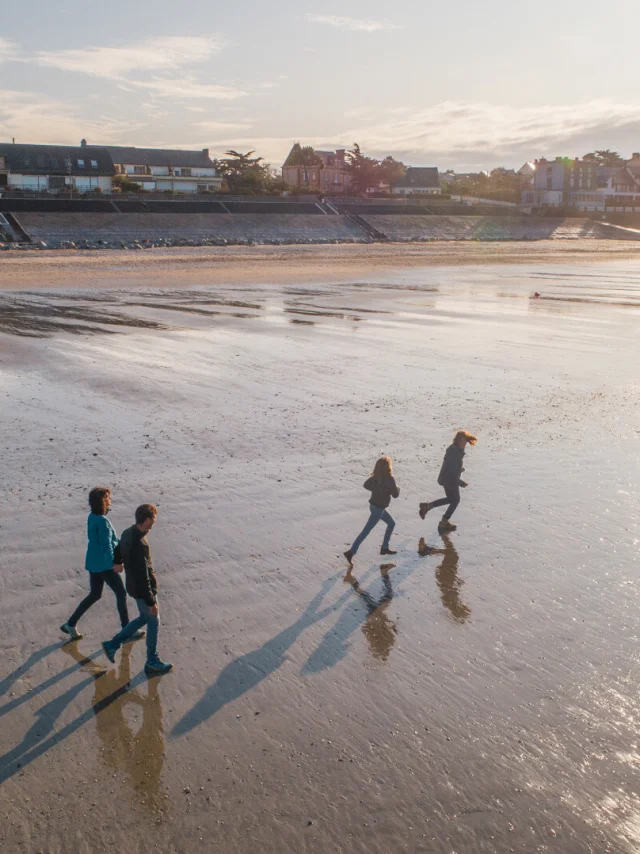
pixel 478 698
pixel 281 264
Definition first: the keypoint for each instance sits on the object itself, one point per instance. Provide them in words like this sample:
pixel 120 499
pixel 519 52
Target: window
pixel 94 164
pixel 80 164
pixel 139 170
pixel 186 173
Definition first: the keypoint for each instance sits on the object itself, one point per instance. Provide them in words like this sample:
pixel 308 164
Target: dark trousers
pixel 97 580
pixel 452 499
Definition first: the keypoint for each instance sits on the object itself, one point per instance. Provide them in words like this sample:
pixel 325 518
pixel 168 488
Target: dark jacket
pixel 134 552
pixel 451 467
pixel 381 493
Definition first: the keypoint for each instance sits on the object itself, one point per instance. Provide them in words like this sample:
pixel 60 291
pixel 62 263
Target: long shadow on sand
pixel 35 656
pixel 40 737
pixel 43 686
pixel 244 673
pixel 335 644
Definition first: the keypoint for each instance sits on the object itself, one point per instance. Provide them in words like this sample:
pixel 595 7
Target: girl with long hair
pixel 449 478
pixel 102 562
pixel 382 486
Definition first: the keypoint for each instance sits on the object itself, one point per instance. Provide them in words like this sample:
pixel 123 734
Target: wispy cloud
pixel 147 66
pixel 33 117
pixel 181 89
pixel 461 134
pixel 153 54
pixel 355 24
pixel 223 127
pixel 8 50
pixel 496 130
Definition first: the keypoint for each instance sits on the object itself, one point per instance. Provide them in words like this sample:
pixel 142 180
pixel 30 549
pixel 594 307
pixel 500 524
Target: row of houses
pixel 584 185
pixel 328 174
pixel 92 168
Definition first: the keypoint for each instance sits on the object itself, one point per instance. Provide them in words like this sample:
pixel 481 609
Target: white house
pixel 621 187
pixel 419 181
pixel 163 169
pixel 54 168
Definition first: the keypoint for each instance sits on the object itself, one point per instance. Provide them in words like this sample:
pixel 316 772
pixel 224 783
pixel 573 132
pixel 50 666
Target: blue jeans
pixel 377 514
pixel 145 619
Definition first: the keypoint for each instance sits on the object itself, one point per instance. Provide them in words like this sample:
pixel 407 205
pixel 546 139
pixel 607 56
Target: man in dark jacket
pixel 449 478
pixel 142 585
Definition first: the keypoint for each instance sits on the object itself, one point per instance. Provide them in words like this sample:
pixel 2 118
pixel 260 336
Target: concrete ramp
pixel 400 228
pixel 56 228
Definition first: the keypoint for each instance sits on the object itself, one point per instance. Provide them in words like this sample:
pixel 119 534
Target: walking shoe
pixel 446 525
pixel 109 651
pixel 137 635
pixel 71 631
pixel 424 509
pixel 384 551
pixel 349 556
pixel 157 668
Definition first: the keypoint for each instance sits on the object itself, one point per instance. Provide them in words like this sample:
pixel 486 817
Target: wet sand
pixel 475 693
pixel 281 264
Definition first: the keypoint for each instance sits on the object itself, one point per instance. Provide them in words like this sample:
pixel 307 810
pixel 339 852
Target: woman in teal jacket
pixel 102 563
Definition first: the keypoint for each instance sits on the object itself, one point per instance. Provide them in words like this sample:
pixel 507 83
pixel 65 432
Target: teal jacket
pixel 102 542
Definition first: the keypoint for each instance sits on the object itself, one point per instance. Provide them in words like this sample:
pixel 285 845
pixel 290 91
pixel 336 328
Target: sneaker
pixel 446 525
pixel 349 556
pixel 424 509
pixel 73 633
pixel 384 551
pixel 109 651
pixel 137 635
pixel 153 668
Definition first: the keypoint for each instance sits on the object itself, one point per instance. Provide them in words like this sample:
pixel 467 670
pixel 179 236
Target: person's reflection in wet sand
pixel 379 631
pixel 447 577
pixel 139 754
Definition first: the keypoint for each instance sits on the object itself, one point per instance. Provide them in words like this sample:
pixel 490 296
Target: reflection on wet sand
pixel 377 628
pixel 447 577
pixel 38 319
pixel 138 752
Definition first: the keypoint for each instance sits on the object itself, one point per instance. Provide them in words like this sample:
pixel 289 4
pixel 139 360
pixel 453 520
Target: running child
pixel 449 478
pixel 383 488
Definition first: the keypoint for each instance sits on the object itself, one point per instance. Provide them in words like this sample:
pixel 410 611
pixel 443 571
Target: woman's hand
pixel 463 483
pixel 118 567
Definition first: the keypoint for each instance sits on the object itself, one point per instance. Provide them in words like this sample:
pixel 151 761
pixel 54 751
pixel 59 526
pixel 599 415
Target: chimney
pixel 205 151
pixel 340 154
pixel 83 143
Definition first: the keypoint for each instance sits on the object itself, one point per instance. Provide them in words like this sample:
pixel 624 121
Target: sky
pixel 460 85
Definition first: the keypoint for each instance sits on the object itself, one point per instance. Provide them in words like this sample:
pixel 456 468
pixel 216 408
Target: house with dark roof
pixel 419 181
pixel 55 168
pixel 162 169
pixel 312 169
